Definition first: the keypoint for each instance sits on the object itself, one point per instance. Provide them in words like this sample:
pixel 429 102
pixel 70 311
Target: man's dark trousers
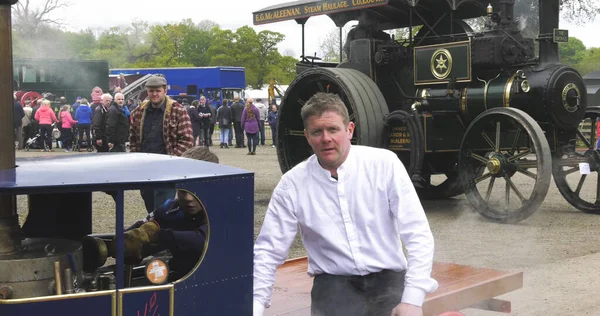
pixel 373 294
pixel 239 134
pixel 118 148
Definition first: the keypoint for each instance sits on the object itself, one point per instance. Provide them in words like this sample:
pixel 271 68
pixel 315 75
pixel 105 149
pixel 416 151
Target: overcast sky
pixel 229 14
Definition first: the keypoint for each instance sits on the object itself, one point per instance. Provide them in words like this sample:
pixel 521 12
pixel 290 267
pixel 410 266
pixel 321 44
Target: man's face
pixel 274 108
pixel 202 101
pixel 106 101
pixel 188 202
pixel 329 138
pixel 120 99
pixel 156 94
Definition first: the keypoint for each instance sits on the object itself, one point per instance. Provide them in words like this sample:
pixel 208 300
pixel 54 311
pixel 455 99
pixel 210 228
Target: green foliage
pixel 145 45
pixel 590 62
pixel 573 52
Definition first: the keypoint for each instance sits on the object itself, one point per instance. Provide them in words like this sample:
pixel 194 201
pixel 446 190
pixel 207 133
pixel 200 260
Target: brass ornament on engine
pixel 565 94
pixel 441 63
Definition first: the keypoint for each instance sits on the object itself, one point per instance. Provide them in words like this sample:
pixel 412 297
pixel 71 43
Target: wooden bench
pixel 460 287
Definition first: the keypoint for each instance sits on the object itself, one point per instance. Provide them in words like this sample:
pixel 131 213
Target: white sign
pixel 584 168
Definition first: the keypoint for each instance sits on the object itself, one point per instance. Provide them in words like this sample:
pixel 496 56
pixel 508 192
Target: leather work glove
pixel 135 239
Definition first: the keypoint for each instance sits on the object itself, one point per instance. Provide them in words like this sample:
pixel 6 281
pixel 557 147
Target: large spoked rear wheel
pixel 516 156
pixel 366 107
pixel 579 187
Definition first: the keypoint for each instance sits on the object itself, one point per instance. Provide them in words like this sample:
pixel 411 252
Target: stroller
pixel 85 142
pixel 35 142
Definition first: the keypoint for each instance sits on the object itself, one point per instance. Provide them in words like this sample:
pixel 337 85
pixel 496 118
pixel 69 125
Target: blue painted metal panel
pixel 222 284
pixel 150 303
pixel 203 77
pixel 232 78
pixel 68 305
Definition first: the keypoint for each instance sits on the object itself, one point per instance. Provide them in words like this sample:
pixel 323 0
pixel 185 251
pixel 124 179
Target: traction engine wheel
pixel 515 152
pixel 31 95
pixel 366 107
pixel 565 168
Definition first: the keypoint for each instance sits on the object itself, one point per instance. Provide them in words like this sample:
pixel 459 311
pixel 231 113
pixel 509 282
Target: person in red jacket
pixel 45 116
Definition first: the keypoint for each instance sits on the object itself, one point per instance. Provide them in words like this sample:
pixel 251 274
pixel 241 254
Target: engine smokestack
pixel 549 19
pixel 507 10
pixel 9 225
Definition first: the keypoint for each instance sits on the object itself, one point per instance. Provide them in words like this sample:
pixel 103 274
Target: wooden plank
pixel 459 287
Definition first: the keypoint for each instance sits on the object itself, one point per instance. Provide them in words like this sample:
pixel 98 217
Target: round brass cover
pixel 493 166
pixel 565 94
pixel 441 63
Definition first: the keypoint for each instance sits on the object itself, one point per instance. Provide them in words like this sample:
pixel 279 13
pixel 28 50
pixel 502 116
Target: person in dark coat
pixel 18 115
pixel 179 225
pixel 224 119
pixel 195 118
pixel 205 113
pixel 117 125
pixel 237 109
pixel 99 124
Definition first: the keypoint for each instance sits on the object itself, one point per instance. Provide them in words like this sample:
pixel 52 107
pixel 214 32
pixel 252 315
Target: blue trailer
pixel 216 83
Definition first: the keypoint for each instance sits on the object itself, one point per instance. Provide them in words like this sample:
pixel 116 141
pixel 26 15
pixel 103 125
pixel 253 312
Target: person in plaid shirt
pixel 159 126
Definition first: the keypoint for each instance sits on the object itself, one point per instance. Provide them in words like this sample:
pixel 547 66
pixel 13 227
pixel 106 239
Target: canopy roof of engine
pixel 389 13
pixel 106 171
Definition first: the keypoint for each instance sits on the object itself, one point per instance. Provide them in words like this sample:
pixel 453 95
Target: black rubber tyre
pixel 567 163
pixel 366 107
pixel 504 140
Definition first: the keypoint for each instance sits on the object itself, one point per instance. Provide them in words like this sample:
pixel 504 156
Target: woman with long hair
pixel 250 117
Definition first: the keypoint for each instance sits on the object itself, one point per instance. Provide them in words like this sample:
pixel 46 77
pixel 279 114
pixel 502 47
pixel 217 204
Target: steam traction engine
pixel 468 112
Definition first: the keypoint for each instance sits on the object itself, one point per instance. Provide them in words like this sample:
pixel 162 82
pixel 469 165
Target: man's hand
pixel 404 309
pixel 110 145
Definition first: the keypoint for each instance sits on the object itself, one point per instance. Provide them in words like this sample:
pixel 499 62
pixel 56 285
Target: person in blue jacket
pixel 179 225
pixel 273 123
pixel 83 116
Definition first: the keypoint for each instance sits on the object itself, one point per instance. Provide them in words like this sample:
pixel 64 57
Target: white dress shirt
pixel 351 226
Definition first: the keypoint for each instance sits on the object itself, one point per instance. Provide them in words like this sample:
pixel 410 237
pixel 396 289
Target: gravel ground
pixel 557 247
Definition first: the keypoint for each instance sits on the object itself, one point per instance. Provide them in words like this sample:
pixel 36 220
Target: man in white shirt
pixel 355 206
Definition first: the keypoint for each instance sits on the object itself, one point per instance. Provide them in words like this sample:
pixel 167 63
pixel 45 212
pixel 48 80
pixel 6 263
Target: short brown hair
pixel 323 102
pixel 201 153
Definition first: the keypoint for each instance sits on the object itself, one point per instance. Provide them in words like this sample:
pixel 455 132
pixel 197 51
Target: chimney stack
pixel 549 19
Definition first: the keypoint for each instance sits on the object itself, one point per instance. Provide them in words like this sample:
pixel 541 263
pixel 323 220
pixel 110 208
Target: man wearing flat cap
pixel 159 125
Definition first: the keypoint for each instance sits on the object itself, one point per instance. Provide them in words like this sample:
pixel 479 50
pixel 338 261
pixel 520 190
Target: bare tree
pixel 28 17
pixel 330 44
pixel 579 11
pixel 207 25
